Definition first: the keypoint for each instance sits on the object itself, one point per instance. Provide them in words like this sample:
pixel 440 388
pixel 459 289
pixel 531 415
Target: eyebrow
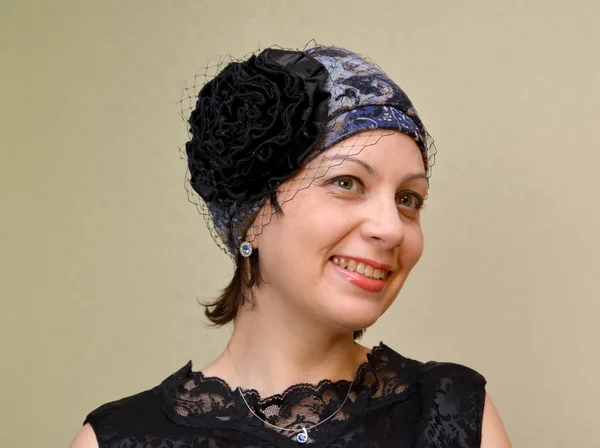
pixel 371 170
pixel 343 158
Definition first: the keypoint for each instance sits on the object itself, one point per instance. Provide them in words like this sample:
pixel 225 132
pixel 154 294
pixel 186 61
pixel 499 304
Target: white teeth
pixel 361 268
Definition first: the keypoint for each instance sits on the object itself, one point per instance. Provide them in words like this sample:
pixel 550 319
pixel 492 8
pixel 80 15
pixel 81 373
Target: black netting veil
pixel 263 127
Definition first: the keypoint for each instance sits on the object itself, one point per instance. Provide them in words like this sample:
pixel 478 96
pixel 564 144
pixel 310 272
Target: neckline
pixel 193 400
pixel 258 400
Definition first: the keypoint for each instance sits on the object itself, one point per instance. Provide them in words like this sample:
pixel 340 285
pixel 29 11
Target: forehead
pixel 386 149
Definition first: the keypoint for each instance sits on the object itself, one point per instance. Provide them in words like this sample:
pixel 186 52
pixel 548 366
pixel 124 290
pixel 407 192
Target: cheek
pixel 314 222
pixel 293 239
pixel 409 255
pixel 413 247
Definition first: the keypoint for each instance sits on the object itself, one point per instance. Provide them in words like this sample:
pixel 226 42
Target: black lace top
pixel 394 402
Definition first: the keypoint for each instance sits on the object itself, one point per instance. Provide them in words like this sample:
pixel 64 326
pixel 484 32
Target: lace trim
pixel 194 400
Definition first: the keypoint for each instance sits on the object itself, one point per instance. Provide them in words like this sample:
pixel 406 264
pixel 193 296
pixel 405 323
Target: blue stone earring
pixel 246 249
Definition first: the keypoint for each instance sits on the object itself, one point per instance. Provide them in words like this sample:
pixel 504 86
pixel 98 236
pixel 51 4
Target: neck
pixel 270 352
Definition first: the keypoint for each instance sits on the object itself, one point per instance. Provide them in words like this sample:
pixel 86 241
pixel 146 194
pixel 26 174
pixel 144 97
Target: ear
pixel 252 237
pixel 263 218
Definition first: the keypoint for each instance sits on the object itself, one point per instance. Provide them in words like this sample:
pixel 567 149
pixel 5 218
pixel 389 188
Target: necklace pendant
pixel 303 436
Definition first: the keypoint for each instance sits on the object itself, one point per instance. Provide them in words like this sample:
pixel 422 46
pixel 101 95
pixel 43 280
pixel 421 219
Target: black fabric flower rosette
pixel 252 126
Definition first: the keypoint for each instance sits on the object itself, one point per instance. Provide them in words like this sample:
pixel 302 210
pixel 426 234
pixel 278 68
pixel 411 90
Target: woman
pixel 313 168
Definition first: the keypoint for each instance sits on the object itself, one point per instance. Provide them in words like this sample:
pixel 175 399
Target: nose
pixel 384 224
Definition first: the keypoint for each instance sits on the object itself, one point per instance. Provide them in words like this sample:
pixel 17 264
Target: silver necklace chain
pixel 302 434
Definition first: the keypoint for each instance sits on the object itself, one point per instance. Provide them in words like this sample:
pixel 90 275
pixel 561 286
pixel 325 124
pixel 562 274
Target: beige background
pixel 102 258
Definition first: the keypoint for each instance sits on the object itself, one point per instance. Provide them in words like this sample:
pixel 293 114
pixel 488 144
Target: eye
pixel 410 200
pixel 347 183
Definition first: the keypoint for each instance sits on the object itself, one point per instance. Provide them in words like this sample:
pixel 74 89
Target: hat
pixel 258 121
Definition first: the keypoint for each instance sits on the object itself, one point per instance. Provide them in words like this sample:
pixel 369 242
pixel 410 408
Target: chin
pixel 349 317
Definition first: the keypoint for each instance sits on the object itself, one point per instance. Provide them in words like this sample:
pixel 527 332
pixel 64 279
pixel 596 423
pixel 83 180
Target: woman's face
pixel 347 227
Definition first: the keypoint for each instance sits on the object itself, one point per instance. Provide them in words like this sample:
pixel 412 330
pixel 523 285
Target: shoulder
pixel 451 398
pixel 434 376
pixel 85 438
pixel 494 434
pixel 117 419
pixel 452 403
pixel 128 414
pixel 438 377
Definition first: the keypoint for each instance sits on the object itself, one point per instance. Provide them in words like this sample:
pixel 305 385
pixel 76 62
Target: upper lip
pixel 373 263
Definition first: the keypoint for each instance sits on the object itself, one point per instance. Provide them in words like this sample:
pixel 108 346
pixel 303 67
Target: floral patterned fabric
pixel 394 402
pixel 357 83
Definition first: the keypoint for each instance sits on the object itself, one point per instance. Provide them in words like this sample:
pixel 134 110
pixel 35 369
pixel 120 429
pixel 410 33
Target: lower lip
pixel 361 281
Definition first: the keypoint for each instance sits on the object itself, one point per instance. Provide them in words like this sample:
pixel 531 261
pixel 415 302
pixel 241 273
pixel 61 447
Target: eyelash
pixel 418 198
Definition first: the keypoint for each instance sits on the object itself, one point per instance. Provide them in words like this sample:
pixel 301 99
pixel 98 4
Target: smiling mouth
pixel 361 268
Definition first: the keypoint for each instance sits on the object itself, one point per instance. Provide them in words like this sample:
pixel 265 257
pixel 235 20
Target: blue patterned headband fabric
pixel 329 94
pixel 364 97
